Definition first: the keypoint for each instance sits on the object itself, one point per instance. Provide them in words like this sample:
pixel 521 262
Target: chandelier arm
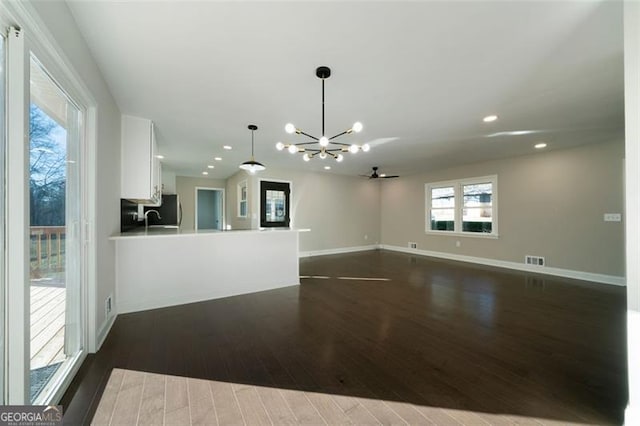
pixel 341 144
pixel 331 153
pixel 339 134
pixel 304 143
pixel 308 135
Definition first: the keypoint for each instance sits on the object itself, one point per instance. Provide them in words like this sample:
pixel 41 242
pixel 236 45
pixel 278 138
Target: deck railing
pixel 48 247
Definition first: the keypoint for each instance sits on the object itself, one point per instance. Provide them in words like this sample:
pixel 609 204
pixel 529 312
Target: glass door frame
pixel 33 37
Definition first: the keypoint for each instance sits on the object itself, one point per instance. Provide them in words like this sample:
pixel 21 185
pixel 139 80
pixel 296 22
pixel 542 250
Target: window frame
pixel 458 206
pixel 243 184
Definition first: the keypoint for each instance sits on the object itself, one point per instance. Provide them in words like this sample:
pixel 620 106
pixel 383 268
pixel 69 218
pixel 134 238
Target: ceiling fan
pixel 375 174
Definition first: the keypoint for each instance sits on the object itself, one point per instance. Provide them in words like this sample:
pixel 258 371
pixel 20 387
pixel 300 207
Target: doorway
pixel 209 208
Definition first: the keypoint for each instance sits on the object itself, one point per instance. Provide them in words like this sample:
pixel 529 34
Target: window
pixel 242 199
pixel 466 207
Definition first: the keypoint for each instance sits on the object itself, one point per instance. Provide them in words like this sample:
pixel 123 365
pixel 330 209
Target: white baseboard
pixel 337 250
pixel 104 331
pixel 559 272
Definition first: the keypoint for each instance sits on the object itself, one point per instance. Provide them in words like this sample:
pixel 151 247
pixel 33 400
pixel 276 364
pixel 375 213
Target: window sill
pixel 464 234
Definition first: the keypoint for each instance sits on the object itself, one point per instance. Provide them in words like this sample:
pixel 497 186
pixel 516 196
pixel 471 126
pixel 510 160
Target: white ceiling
pixel 420 75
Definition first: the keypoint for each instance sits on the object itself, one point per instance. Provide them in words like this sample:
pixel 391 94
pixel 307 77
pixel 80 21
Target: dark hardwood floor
pixel 436 333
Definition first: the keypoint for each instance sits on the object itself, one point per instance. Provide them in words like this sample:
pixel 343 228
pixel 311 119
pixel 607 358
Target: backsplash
pixel 128 215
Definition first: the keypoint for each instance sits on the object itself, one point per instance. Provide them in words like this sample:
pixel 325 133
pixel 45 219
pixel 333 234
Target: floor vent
pixel 534 260
pixel 413 245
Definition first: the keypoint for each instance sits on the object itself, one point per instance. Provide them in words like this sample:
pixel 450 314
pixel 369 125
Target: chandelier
pixel 323 146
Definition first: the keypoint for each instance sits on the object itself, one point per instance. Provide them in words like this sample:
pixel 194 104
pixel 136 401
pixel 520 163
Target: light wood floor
pixel 47 326
pixel 475 345
pixel 139 398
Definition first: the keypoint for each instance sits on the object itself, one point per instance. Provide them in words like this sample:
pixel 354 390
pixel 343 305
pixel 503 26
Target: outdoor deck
pixel 47 325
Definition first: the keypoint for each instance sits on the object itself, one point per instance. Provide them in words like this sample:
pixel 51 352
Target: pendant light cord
pixel 323 107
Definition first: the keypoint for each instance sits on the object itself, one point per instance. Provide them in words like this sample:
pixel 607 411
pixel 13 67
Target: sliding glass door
pixel 2 222
pixel 55 207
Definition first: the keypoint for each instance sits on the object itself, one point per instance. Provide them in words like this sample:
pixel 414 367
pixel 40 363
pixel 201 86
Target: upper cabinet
pixel 141 169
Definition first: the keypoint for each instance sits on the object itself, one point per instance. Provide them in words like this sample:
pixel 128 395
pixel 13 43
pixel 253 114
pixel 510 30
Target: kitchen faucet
pixel 146 217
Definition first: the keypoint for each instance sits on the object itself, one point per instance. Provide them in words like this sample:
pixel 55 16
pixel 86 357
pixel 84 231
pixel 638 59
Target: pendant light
pixel 252 165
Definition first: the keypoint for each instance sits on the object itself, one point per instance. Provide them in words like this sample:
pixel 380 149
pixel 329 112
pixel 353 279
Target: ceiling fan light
pixel 353 149
pixel 289 128
pixel 357 127
pixel 324 141
pixel 339 158
pixel 279 146
pixel 292 149
pixel 366 147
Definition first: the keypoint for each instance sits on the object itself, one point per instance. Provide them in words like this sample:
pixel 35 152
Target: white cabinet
pixel 141 170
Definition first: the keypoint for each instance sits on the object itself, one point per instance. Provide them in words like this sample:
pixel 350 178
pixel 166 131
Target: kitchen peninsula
pixel 166 267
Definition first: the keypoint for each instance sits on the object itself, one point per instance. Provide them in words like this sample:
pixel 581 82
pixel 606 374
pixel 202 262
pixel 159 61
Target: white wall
pixel 632 168
pixel 549 204
pixel 61 24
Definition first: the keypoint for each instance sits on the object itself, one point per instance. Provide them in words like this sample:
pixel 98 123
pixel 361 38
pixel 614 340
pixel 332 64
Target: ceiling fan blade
pixel 389 177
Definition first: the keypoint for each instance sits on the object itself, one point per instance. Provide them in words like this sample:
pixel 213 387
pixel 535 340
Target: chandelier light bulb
pixel 323 155
pixel 339 158
pixel 293 149
pixel 353 149
pixel 306 157
pixel 290 128
pixel 357 127
pixel 366 147
pixel 279 146
pixel 324 141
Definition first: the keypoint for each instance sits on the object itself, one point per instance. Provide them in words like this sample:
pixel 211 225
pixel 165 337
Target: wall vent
pixel 534 260
pixel 413 245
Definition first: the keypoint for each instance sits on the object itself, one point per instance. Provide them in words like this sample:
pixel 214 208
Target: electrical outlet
pixel 107 306
pixel 366 237
pixel 458 244
pixel 612 217
pixel 412 245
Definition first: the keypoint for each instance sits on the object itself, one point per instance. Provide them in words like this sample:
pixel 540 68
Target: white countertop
pixel 176 232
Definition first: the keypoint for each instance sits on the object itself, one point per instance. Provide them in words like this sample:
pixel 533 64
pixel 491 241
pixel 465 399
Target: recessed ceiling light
pixel 540 145
pixel 327 167
pixel 160 157
pixel 490 118
pixel 227 147
pixel 210 166
pixel 218 158
pixel 205 173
